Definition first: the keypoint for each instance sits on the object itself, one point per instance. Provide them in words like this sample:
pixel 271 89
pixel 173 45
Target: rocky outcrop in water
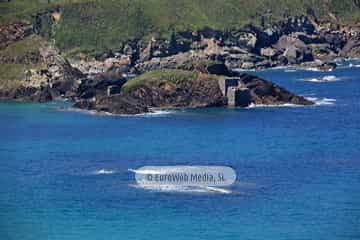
pixel 195 88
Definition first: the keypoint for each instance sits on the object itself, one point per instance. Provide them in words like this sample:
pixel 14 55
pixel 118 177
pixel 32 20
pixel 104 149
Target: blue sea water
pixel 64 174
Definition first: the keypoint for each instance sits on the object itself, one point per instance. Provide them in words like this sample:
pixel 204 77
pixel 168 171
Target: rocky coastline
pixel 206 57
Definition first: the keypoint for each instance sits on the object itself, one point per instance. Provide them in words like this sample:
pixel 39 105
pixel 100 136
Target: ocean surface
pixel 64 174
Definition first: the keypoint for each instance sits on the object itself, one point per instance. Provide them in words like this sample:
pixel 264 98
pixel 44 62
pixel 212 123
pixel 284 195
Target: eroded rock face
pixel 28 94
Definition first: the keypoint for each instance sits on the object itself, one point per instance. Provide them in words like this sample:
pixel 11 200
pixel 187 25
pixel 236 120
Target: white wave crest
pixel 157 112
pixel 103 172
pixel 183 189
pixel 154 113
pixel 330 78
pixel 253 105
pixel 311 69
pixel 322 101
pixel 290 70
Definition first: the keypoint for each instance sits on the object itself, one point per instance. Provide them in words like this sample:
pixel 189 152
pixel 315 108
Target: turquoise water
pixel 64 173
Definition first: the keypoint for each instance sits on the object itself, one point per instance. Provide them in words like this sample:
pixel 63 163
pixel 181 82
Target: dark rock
pixel 336 40
pixel 210 33
pixel 88 88
pixel 27 94
pixel 84 104
pixel 310 39
pixel 266 93
pixel 104 56
pixel 327 66
pixel 43 95
pixel 22 93
pixel 205 66
pixel 300 24
pixel 352 48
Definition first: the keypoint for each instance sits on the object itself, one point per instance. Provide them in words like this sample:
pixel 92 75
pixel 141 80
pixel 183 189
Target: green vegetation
pixel 12 75
pixel 314 49
pixel 160 76
pixel 23 47
pixel 96 26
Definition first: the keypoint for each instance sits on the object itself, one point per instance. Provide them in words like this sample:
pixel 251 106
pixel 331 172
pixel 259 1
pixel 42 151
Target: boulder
pixel 352 48
pixel 294 50
pixel 268 52
pixel 336 39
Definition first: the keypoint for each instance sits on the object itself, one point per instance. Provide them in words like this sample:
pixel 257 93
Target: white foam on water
pixel 182 189
pixel 158 171
pixel 330 78
pixel 253 105
pixel 290 70
pixel 157 112
pixel 85 111
pixel 103 172
pixel 245 70
pixel 311 69
pixel 322 101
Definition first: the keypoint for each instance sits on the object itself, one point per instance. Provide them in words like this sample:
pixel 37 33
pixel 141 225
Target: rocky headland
pixel 188 70
pixel 211 85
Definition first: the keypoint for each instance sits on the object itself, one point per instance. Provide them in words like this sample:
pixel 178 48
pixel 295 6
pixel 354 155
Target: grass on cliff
pixel 160 76
pixel 94 25
pixel 22 47
pixel 12 75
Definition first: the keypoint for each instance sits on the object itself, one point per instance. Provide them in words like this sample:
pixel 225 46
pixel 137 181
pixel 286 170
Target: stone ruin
pixel 237 95
pixel 113 90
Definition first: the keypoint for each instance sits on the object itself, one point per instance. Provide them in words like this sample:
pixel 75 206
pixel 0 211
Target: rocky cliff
pixel 34 69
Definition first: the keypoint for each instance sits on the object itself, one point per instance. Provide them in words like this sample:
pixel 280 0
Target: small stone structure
pixel 239 97
pixel 113 90
pixel 236 94
pixel 226 83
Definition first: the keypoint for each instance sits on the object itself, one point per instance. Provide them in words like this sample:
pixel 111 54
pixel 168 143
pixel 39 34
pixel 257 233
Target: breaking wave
pixel 253 105
pixel 183 189
pixel 322 101
pixel 330 78
pixel 103 172
pixel 317 101
pixel 153 113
